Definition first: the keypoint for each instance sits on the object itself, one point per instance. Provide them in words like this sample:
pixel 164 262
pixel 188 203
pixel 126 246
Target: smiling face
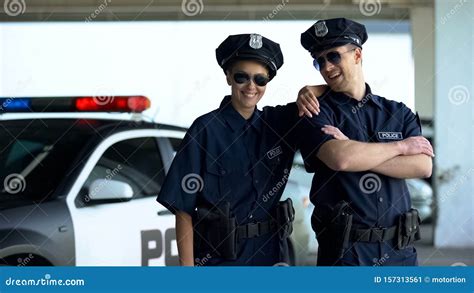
pixel 246 95
pixel 344 76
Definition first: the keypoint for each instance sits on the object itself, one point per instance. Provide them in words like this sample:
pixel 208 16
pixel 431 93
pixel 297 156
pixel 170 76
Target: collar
pixel 235 120
pixel 342 99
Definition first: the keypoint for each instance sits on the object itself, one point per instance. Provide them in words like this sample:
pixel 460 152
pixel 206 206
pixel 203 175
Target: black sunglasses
pixel 258 79
pixel 334 57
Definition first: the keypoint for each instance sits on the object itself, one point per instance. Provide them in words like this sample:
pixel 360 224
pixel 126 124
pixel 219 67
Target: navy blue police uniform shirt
pixel 225 158
pixel 376 200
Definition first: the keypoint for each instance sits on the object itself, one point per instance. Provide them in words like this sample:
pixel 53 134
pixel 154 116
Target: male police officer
pixel 362 210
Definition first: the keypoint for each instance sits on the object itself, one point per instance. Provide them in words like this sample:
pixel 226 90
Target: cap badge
pixel 320 29
pixel 255 41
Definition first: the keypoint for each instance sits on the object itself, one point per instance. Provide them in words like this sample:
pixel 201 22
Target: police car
pixel 80 189
pixel 79 179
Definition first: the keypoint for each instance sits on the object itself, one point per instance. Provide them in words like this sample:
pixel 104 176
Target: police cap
pixel 335 32
pixel 250 47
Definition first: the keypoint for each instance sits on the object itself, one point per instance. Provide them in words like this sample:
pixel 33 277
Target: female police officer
pixel 228 175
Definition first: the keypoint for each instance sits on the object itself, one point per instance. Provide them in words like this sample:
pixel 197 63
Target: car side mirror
pixel 110 190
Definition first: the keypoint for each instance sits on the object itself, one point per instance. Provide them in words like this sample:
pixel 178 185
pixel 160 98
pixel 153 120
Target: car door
pixel 131 232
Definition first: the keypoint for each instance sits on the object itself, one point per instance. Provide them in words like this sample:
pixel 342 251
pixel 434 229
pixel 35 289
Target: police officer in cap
pixel 361 147
pixel 229 173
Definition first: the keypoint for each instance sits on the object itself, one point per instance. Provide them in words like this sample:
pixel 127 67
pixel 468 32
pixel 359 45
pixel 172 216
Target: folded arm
pixel 408 158
pixel 404 167
pixel 355 156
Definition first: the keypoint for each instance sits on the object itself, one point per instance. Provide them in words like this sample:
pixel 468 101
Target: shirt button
pixel 256 181
pixel 222 172
pixel 250 216
pixel 380 199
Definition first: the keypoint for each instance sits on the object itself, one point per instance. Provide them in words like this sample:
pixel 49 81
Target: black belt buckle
pixel 253 230
pixel 376 234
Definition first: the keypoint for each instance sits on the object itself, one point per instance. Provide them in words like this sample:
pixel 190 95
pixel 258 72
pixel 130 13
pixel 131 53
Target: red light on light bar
pixel 134 104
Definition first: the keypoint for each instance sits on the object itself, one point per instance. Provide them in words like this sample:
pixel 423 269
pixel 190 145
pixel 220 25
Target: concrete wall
pixel 422 23
pixel 454 124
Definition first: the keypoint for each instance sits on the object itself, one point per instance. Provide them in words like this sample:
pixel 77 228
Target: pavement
pixel 428 255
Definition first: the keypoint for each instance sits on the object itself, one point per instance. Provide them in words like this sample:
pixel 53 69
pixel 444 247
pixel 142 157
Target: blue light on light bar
pixel 15 104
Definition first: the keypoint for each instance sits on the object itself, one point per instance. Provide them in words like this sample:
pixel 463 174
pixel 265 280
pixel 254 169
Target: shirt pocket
pixel 217 181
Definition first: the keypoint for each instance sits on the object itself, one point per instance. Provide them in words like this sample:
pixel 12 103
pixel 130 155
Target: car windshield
pixel 36 156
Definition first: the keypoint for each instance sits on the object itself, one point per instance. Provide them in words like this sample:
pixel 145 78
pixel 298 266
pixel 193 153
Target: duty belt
pixel 255 229
pixel 373 234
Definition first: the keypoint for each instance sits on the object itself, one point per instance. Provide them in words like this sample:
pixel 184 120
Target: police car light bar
pixel 123 104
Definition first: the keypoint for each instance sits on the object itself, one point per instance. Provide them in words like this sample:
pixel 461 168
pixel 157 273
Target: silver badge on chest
pixel 255 41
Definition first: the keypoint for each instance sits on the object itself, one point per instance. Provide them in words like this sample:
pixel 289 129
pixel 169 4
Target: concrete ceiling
pixel 123 10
